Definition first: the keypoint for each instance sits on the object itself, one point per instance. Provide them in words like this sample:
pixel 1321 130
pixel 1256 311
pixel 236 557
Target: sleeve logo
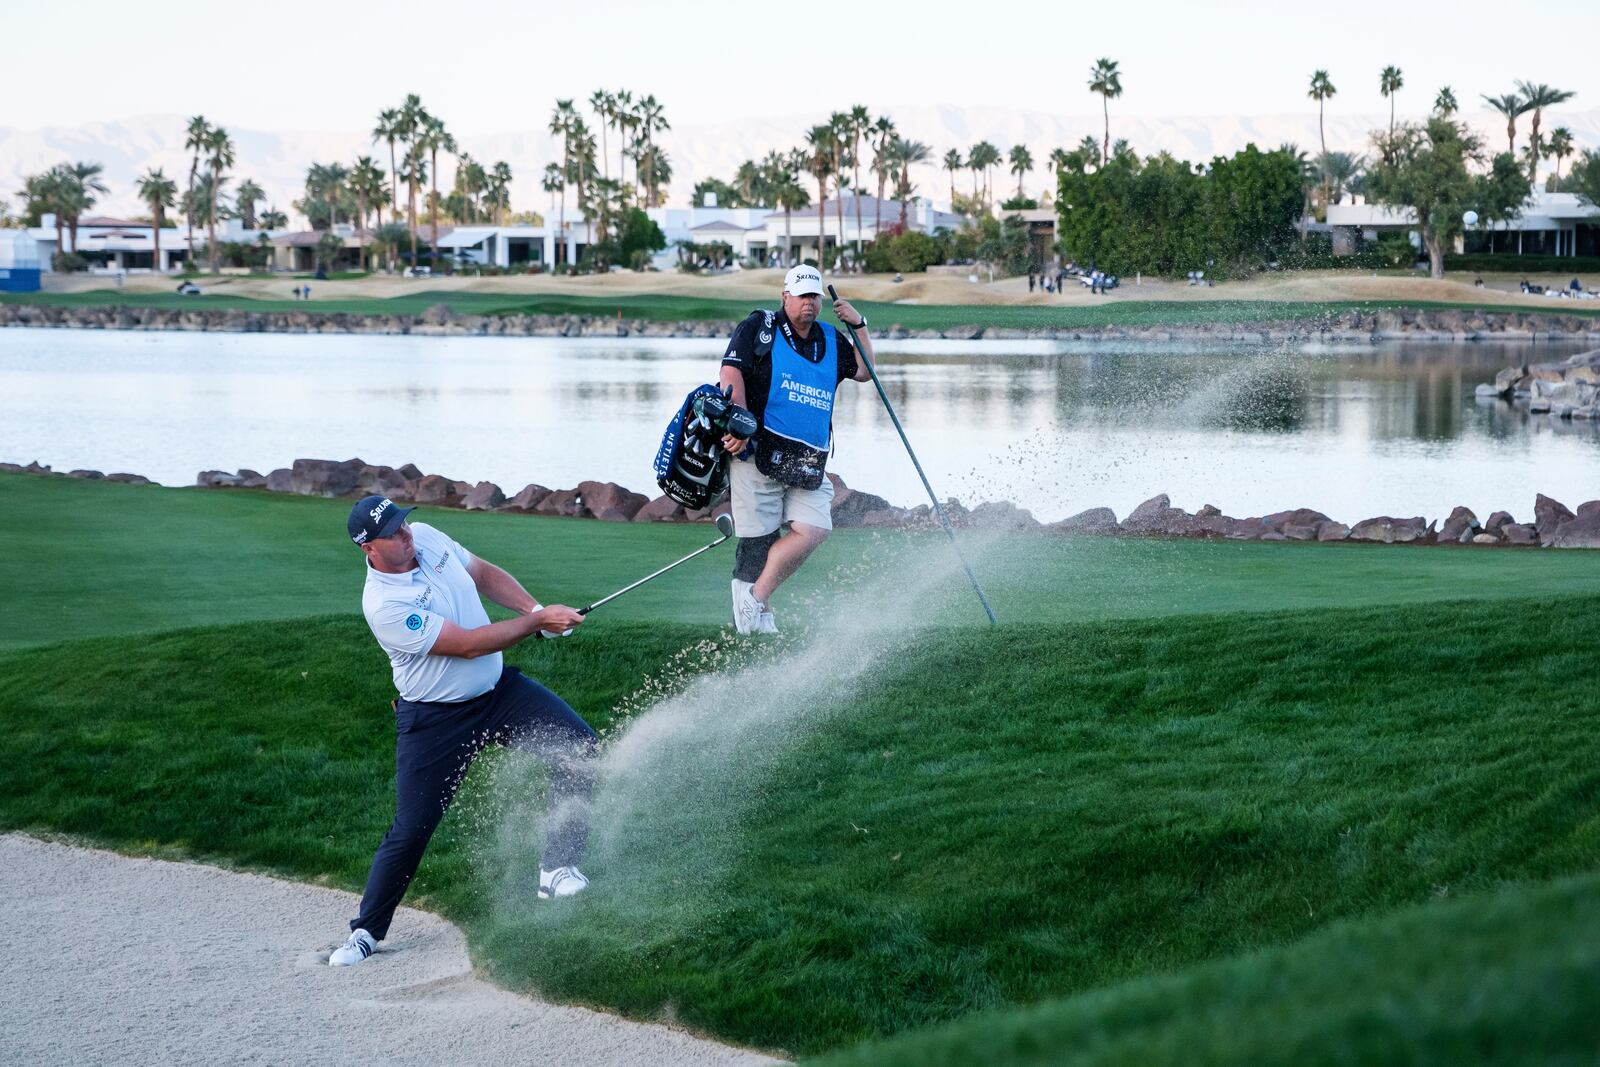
pixel 413 622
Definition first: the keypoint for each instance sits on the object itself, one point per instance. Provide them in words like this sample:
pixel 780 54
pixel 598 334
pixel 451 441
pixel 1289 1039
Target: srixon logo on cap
pixel 377 512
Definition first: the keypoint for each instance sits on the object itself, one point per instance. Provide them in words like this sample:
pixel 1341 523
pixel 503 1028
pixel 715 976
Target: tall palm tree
pixel 1021 164
pixel 1512 106
pixel 1560 147
pixel 554 181
pixel 1321 90
pixel 1105 79
pixel 158 192
pixel 195 137
pixel 905 154
pixel 604 106
pixel 388 129
pixel 219 151
pixel 76 187
pixel 436 138
pixel 1444 105
pixel 860 126
pixel 788 193
pixel 841 125
pixel 366 182
pixel 984 156
pixel 500 190
pixel 273 219
pixel 953 162
pixel 414 120
pixel 584 173
pixel 1539 97
pixel 1338 170
pixel 245 199
pixel 882 135
pixel 1390 82
pixel 622 114
pixel 819 163
pixel 652 120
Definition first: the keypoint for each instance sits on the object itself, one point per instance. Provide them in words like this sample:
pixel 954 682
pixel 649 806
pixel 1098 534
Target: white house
pixel 114 245
pixel 1551 224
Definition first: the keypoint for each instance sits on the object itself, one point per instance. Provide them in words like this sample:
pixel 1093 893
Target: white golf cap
pixel 803 280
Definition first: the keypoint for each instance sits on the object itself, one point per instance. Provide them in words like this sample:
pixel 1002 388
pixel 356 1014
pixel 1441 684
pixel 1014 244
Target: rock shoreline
pixel 1354 327
pixel 1553 524
pixel 1565 389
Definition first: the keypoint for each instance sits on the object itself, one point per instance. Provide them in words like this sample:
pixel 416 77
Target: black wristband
pixel 862 325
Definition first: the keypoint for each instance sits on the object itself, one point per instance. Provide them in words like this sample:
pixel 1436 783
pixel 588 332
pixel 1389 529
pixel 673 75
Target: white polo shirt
pixel 407 611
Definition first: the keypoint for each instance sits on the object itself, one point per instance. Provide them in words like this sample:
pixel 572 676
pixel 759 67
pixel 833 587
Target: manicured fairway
pixel 1191 803
pixel 674 308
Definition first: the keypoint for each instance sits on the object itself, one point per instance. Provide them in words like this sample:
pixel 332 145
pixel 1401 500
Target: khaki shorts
pixel 760 504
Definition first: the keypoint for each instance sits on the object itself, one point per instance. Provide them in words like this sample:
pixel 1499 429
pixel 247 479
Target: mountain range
pixel 277 159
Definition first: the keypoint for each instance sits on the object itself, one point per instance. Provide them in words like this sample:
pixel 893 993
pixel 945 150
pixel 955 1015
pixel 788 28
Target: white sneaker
pixel 561 882
pixel 746 608
pixel 358 947
pixel 768 623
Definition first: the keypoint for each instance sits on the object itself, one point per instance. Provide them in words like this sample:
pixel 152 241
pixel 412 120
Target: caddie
pixel 785 367
pixel 456 696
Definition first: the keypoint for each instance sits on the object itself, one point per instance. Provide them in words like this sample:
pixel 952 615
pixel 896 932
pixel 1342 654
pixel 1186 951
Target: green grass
pixel 1148 822
pixel 1129 313
pixel 158 558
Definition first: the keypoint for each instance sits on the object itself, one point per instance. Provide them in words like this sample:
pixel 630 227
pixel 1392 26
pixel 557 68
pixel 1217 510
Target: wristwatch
pixel 862 325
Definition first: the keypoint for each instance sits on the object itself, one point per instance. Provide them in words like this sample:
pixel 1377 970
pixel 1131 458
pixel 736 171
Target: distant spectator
pixel 1575 285
pixel 1478 282
pixel 1030 281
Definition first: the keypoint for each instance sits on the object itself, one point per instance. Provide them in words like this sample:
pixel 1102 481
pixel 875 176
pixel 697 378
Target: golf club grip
pixel 833 294
pixel 585 611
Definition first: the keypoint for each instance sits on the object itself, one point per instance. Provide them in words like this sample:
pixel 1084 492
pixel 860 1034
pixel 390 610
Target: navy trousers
pixel 435 745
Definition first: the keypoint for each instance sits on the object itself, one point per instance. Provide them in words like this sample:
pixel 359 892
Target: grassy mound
pixel 864 834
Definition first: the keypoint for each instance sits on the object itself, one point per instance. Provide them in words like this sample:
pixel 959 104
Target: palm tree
pixel 1512 106
pixel 860 121
pixel 1560 148
pixel 195 138
pixel 500 190
pixel 561 124
pixel 553 182
pixel 414 119
pixel 952 163
pixel 158 192
pixel 983 156
pixel 1321 90
pixel 604 106
pixel 76 188
pixel 1021 164
pixel 1536 150
pixel 1390 82
pixel 1107 81
pixel 249 194
pixel 819 164
pixel 273 219
pixel 583 172
pixel 1539 97
pixel 905 154
pixel 1444 105
pixel 840 123
pixel 366 182
pixel 622 113
pixel 436 138
pixel 787 192
pixel 652 120
pixel 1338 170
pixel 219 150
pixel 881 136
pixel 388 129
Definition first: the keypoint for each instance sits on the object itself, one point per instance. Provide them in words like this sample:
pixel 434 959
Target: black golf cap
pixel 374 517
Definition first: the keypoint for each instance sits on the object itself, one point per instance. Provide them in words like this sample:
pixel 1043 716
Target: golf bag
pixel 691 464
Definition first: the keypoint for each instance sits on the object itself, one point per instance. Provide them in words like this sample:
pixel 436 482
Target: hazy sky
pixel 488 66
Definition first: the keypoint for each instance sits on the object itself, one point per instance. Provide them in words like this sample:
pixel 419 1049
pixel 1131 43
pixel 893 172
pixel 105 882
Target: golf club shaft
pixel 932 498
pixel 657 574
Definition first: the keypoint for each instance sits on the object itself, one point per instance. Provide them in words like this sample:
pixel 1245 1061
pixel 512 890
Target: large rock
pixel 410 471
pixel 1580 531
pixel 485 496
pixel 1333 530
pixel 1150 516
pixel 1093 521
pixel 376 478
pixel 527 498
pixel 280 481
pixel 610 502
pixel 1497 520
pixel 1517 533
pixel 128 479
pixel 432 489
pixel 889 518
pixel 850 507
pixel 87 475
pixel 662 509
pixel 326 477
pixel 1301 517
pixel 217 480
pixel 1461 522
pixel 249 479
pixel 565 502
pixel 1389 530
pixel 1547 515
pixel 1001 515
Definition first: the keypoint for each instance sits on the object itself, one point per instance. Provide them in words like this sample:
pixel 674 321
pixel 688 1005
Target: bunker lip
pixel 179 946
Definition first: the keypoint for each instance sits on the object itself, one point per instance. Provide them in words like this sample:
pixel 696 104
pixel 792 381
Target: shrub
pixel 68 262
pixel 1515 264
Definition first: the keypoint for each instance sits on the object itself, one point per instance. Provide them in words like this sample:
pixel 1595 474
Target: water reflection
pixel 1352 430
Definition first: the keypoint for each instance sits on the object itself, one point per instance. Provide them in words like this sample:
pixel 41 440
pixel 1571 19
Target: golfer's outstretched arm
pixel 459 641
pixel 498 585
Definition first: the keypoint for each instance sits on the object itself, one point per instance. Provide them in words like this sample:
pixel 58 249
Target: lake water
pixel 1352 431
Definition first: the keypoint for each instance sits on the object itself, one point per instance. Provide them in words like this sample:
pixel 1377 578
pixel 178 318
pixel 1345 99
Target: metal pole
pixel 937 510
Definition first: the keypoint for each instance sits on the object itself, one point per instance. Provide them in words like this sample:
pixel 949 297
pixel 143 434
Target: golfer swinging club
pixel 456 697
pixel 785 368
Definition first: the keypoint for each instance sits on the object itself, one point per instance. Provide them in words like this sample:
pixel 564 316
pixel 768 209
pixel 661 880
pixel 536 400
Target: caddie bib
pixel 798 421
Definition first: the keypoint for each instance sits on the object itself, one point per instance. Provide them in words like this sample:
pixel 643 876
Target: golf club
pixel 937 510
pixel 724 524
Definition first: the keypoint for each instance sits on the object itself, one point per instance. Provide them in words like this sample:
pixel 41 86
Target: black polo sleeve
pixel 847 356
pixel 742 346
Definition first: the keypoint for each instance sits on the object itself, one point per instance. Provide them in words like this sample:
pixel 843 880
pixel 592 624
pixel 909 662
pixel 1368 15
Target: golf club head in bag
pixel 691 465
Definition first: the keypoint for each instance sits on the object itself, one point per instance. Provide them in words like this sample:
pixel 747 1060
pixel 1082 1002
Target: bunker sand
pixel 113 960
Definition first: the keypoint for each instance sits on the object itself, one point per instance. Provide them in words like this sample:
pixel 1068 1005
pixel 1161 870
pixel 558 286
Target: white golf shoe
pixel 746 608
pixel 358 947
pixel 561 882
pixel 768 623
